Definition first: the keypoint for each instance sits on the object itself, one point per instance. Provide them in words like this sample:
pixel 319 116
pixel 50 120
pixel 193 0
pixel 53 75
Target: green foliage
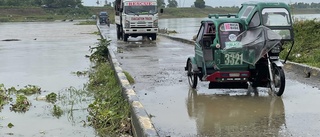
pixel 22 104
pixel 69 12
pixel 172 4
pixel 109 113
pixel 57 111
pixel 305 5
pixel 52 97
pixel 160 3
pixel 100 52
pixel 306 49
pixel 4 97
pixel 29 90
pixel 48 3
pixel 199 4
pixel 81 73
pixel 129 77
pixel 10 125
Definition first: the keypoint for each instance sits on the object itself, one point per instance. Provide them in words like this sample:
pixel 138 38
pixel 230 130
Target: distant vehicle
pixel 104 18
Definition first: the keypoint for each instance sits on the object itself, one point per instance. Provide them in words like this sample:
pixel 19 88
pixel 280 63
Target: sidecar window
pixel 255 21
pixel 276 17
pixel 200 33
pixel 247 11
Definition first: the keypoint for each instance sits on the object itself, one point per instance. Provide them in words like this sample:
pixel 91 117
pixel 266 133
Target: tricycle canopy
pixel 257 41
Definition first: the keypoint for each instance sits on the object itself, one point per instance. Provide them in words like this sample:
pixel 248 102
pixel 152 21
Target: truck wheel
pixel 118 32
pixel 154 37
pixel 125 37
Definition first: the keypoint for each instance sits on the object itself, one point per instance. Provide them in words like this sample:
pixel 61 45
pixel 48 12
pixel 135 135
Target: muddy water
pixel 46 55
pixel 176 110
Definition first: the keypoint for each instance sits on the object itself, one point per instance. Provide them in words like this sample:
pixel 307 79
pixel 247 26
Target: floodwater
pixel 177 110
pixel 46 55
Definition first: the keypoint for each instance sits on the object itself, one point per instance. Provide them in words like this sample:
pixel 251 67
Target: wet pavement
pixel 46 54
pixel 176 110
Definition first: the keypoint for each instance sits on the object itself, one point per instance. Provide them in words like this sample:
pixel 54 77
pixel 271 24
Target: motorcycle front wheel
pixel 279 80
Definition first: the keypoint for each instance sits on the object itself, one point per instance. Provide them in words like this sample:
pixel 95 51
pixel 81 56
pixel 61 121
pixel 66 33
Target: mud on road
pixel 176 110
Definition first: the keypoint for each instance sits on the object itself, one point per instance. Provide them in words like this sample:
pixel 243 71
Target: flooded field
pixel 47 55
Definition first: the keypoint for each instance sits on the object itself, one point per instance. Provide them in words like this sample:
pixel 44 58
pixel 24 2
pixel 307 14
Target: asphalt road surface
pixel 176 110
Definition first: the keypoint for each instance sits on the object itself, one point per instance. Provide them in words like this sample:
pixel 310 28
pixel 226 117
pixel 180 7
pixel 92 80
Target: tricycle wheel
pixel 279 80
pixel 192 76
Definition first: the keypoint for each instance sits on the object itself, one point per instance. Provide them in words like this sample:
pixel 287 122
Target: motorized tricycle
pixel 238 50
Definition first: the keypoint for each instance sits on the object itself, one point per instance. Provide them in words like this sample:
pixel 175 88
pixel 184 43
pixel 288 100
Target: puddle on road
pixel 236 115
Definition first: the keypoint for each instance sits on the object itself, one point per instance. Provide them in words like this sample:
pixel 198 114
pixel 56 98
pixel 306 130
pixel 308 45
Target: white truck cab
pixel 136 18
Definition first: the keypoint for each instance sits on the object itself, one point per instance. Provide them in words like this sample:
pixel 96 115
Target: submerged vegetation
pixel 52 97
pixel 21 102
pixel 57 111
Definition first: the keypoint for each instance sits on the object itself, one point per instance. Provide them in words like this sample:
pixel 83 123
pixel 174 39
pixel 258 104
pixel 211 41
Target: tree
pixel 2 2
pixel 161 3
pixel 172 4
pixel 199 4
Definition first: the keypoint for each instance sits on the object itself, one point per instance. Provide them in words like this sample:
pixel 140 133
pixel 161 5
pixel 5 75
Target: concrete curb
pixel 303 70
pixel 300 69
pixel 141 123
pixel 177 39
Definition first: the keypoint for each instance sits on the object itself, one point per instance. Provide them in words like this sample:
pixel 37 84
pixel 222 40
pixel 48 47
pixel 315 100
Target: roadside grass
pixel 306 48
pixel 109 114
pixel 129 77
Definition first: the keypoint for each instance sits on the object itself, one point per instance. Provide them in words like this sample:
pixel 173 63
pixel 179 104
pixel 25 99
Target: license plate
pixel 234 74
pixel 233 58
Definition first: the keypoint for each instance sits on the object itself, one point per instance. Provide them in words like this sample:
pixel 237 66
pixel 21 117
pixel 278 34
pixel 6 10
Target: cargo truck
pixel 136 18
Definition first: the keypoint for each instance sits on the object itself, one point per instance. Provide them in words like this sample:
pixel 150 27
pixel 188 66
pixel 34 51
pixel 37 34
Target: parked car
pixel 104 18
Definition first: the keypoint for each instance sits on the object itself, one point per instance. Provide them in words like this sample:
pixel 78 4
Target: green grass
pixel 306 49
pixel 129 77
pixel 109 114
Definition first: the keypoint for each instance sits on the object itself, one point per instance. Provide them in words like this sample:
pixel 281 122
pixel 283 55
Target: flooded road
pixel 46 54
pixel 176 110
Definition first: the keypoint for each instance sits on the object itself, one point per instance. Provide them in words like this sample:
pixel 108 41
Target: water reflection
pixel 226 115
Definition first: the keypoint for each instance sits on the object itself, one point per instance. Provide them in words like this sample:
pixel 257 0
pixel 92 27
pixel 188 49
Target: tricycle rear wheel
pixel 192 76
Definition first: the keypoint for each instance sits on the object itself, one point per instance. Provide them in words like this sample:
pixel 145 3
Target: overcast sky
pixel 213 3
